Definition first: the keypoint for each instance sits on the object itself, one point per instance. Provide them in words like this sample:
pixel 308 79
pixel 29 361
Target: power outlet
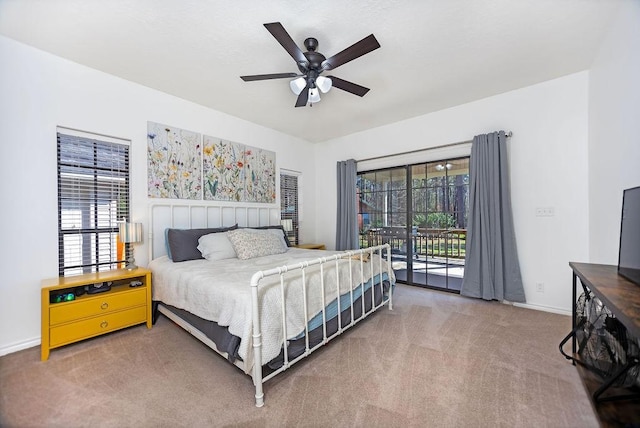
pixel 545 212
pixel 540 287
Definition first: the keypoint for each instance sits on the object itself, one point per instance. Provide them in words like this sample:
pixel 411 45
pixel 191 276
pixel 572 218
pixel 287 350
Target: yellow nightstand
pixel 90 315
pixel 311 246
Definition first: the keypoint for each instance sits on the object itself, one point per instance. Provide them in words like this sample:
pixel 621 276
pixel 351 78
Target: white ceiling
pixel 434 53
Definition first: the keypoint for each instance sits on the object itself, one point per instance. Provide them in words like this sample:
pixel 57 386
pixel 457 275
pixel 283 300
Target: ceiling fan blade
pixel 345 85
pixel 354 51
pixel 304 96
pixel 268 76
pixel 277 30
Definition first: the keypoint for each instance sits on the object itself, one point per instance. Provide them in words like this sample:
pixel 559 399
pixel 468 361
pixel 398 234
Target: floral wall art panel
pixel 174 159
pixel 223 170
pixel 260 175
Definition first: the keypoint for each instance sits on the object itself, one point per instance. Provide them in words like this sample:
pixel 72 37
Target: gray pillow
pixel 182 244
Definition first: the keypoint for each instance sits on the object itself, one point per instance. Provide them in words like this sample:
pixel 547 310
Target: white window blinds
pixel 93 194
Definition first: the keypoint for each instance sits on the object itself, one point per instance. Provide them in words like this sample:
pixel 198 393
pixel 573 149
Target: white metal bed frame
pixel 254 216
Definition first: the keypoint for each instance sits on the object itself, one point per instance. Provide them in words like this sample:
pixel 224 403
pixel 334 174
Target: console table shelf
pixel 622 298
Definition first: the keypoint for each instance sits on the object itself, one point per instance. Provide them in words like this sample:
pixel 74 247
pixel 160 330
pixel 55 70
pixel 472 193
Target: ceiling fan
pixel 312 64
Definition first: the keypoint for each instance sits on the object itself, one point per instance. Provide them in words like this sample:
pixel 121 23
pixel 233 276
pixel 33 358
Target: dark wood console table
pixel 622 298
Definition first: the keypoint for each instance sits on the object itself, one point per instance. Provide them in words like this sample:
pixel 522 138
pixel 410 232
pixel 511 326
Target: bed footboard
pixel 376 259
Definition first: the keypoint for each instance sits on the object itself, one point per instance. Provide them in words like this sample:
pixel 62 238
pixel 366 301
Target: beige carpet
pixel 436 360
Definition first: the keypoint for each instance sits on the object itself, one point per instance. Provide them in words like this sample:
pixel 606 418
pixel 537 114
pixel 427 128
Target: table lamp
pixel 130 233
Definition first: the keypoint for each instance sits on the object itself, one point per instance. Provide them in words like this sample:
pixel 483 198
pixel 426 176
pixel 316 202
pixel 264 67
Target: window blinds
pixel 289 204
pixel 93 194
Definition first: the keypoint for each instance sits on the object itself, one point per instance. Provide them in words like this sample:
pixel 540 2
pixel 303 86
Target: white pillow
pixel 216 246
pixel 250 243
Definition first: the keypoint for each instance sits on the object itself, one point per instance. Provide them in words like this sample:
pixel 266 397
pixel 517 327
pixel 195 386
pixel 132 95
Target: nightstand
pixel 79 317
pixel 311 246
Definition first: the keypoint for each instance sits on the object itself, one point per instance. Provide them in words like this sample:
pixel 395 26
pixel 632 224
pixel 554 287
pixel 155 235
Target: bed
pixel 250 296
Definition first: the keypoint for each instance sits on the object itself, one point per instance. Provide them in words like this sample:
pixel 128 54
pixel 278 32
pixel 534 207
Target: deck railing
pixel 427 242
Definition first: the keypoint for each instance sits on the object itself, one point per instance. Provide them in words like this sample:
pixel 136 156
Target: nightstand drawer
pixel 96 305
pixel 69 333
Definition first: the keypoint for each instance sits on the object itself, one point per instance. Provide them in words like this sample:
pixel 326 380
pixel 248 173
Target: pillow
pixel 275 227
pixel 216 246
pixel 250 243
pixel 183 243
pixel 281 236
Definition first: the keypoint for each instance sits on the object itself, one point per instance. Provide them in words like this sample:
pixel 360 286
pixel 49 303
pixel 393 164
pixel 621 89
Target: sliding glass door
pixel 421 211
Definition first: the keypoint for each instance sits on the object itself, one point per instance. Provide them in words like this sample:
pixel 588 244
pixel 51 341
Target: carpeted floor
pixel 436 360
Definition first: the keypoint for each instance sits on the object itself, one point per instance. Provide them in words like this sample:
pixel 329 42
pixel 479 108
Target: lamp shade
pixel 314 95
pixel 297 85
pixel 287 225
pixel 323 83
pixel 130 232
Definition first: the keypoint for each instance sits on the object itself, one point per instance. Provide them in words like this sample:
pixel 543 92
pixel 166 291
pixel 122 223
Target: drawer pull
pixel 105 305
pixel 104 324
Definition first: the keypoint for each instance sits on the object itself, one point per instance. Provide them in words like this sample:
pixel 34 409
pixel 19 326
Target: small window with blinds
pixel 289 212
pixel 93 195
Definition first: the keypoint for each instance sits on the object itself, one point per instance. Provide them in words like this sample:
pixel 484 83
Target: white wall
pixel 548 164
pixel 614 131
pixel 551 162
pixel 38 92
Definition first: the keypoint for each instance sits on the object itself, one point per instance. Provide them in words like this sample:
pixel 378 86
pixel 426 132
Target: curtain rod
pixel 508 134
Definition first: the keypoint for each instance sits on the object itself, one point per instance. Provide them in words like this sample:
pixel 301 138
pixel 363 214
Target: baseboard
pixel 19 346
pixel 543 308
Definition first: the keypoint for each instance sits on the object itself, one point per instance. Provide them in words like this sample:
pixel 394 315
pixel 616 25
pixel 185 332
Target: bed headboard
pixel 186 215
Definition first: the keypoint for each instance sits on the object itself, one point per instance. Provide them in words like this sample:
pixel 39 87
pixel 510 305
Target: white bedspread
pixel 220 291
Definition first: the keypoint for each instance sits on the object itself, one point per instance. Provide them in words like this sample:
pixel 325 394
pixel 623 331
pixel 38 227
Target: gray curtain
pixel 492 270
pixel 347 216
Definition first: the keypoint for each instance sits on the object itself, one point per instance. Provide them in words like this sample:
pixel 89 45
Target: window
pixel 289 212
pixel 93 195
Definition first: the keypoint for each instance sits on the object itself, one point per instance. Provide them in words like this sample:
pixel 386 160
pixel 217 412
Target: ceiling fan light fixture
pixel 323 83
pixel 312 63
pixel 314 95
pixel 297 85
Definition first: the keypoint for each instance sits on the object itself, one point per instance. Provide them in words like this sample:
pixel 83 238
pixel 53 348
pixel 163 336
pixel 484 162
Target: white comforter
pixel 220 291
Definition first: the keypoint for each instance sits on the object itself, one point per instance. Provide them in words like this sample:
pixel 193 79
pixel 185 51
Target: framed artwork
pixel 174 162
pixel 260 177
pixel 223 165
pixel 186 165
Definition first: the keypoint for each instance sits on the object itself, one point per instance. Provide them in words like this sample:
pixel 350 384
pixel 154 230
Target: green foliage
pixel 434 220
pixel 420 220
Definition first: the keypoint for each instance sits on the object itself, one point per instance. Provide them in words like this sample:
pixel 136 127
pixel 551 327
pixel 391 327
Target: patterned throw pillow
pixel 280 230
pixel 250 243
